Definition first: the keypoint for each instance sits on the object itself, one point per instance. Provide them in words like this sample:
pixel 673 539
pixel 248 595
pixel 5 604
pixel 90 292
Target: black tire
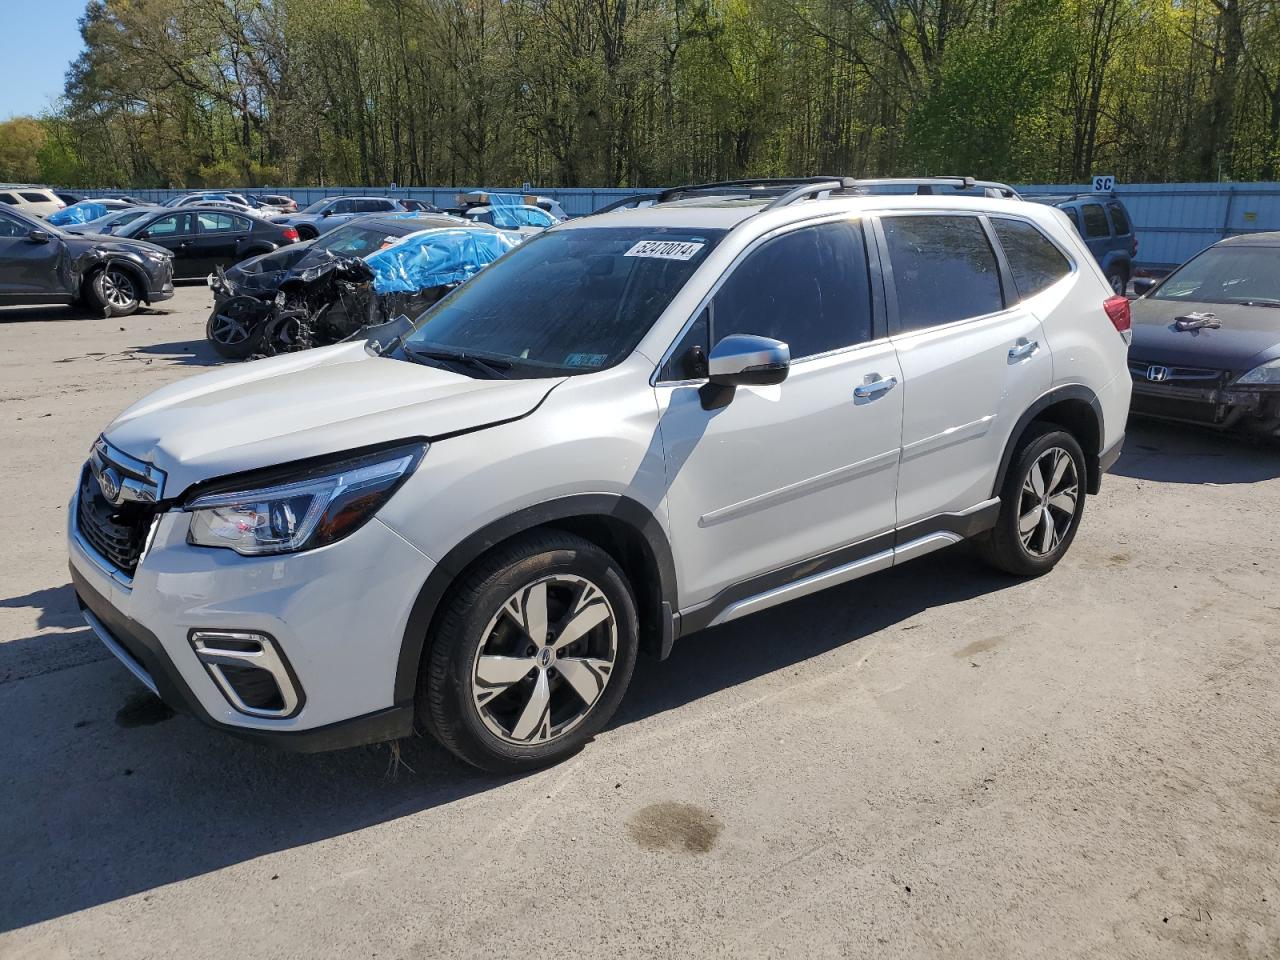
pixel 307 233
pixel 112 291
pixel 477 616
pixel 1119 280
pixel 1005 546
pixel 234 328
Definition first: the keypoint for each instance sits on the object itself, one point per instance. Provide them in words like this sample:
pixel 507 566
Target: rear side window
pixel 37 198
pixel 221 223
pixel 1095 221
pixel 8 198
pixel 808 288
pixel 1034 261
pixel 944 270
pixel 1118 219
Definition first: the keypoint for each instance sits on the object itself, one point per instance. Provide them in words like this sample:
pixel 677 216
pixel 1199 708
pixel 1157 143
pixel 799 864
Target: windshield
pixel 567 301
pixel 352 241
pixel 1226 275
pixel 317 206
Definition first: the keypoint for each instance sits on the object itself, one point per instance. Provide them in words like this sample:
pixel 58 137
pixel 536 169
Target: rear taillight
pixel 290 234
pixel 1119 314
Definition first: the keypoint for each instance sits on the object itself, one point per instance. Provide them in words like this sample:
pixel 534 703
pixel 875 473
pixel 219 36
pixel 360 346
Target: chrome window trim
pixel 843 215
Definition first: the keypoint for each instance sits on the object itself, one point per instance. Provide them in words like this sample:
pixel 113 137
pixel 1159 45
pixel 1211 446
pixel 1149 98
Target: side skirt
pixel 841 566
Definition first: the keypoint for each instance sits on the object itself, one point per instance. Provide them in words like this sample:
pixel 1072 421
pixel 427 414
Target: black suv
pixel 1107 229
pixel 41 264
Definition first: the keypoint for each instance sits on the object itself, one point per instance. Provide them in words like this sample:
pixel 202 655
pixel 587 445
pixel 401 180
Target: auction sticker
pixel 665 249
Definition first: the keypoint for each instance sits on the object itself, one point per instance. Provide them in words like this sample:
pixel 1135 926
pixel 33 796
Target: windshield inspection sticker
pixel 665 249
pixel 585 359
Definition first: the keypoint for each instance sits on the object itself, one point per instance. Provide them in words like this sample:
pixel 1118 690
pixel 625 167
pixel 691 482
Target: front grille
pixel 1201 376
pixel 118 533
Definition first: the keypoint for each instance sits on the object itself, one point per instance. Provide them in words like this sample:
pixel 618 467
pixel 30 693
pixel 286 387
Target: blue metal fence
pixel 1173 220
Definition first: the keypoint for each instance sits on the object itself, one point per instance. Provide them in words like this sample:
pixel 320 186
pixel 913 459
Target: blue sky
pixel 39 40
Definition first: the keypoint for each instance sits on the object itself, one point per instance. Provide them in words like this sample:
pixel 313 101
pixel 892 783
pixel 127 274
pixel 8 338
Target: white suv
pixel 631 427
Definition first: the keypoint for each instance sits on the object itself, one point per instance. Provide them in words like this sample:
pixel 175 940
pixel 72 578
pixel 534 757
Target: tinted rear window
pixel 1095 221
pixel 1119 219
pixel 943 270
pixel 1033 259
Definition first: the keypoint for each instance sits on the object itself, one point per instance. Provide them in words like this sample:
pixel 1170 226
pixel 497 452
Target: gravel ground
pixel 933 762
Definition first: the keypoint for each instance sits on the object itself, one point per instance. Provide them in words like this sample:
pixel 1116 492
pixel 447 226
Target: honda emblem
pixel 1157 374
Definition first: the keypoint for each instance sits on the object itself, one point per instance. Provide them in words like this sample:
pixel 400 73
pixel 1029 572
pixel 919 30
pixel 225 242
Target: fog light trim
pixel 216 649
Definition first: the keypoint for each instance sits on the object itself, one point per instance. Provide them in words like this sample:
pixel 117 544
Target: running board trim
pixel 842 574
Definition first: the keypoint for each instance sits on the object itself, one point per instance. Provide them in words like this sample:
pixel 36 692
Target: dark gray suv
pixel 41 264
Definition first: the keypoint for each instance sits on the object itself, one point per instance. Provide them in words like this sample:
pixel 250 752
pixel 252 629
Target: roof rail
pixel 756 186
pixel 925 185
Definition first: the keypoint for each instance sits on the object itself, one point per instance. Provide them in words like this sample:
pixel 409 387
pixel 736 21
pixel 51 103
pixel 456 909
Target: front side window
pixel 564 302
pixel 1231 274
pixel 808 288
pixel 944 270
pixel 172 225
pixel 344 206
pixel 12 228
pixel 1095 221
pixel 1033 259
pixel 352 241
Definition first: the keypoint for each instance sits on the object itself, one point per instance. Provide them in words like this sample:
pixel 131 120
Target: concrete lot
pixel 935 762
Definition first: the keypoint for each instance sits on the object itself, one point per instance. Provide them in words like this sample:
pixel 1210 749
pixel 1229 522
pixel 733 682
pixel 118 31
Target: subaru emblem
pixel 1157 374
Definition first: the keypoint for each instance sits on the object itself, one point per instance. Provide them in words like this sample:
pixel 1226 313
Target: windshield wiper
pixel 1258 303
pixel 495 368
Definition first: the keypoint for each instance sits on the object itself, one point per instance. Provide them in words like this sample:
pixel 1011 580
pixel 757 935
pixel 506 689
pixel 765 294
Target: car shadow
pixel 1177 453
pixel 113 796
pixel 65 314
pixel 186 353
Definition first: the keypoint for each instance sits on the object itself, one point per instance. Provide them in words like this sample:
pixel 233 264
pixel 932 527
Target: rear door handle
pixel 1022 349
pixel 874 386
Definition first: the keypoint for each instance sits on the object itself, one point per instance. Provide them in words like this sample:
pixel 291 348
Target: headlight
pixel 1268 373
pixel 317 508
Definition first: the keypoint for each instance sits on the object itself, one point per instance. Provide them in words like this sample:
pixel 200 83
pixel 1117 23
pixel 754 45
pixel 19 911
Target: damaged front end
pixel 1221 399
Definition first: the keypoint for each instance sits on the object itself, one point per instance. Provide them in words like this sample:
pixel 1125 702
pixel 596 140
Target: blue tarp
pixel 436 258
pixel 82 212
pixel 503 209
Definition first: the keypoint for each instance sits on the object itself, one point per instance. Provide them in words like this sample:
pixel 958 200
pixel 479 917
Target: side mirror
pixel 743 360
pixel 39 236
pixel 326 213
pixel 144 235
pixel 1142 285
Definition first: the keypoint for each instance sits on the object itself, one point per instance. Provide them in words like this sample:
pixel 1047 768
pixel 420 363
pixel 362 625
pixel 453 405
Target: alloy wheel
pixel 117 289
pixel 229 329
pixel 1050 499
pixel 544 660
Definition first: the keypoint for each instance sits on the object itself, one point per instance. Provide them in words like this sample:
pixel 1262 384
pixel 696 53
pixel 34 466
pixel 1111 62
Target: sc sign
pixel 1104 184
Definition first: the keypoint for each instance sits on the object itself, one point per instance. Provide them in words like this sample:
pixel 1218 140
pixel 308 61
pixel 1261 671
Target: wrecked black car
pixel 1206 339
pixel 40 263
pixel 361 274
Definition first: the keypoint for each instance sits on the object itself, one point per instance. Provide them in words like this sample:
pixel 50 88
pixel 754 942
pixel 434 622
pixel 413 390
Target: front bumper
pixel 337 615
pixel 1222 408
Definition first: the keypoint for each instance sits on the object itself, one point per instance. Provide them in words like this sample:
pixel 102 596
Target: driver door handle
pixel 1022 349
pixel 874 386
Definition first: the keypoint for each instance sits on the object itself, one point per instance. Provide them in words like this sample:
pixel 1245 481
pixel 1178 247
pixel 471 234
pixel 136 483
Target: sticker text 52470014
pixel 665 249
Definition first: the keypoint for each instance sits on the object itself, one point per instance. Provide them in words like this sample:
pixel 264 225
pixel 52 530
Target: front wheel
pixel 532 655
pixel 113 291
pixel 234 328
pixel 1041 503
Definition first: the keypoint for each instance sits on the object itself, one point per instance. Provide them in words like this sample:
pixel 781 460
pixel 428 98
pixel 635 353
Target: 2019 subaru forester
pixel 630 427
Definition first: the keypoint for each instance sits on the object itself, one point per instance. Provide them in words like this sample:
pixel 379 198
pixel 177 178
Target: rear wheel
pixel 113 291
pixel 1119 281
pixel 307 233
pixel 532 655
pixel 234 327
pixel 1041 503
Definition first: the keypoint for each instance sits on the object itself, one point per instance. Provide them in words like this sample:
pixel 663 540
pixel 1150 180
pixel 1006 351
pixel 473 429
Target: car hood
pixel 307 404
pixel 267 270
pixel 97 242
pixel 1248 335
